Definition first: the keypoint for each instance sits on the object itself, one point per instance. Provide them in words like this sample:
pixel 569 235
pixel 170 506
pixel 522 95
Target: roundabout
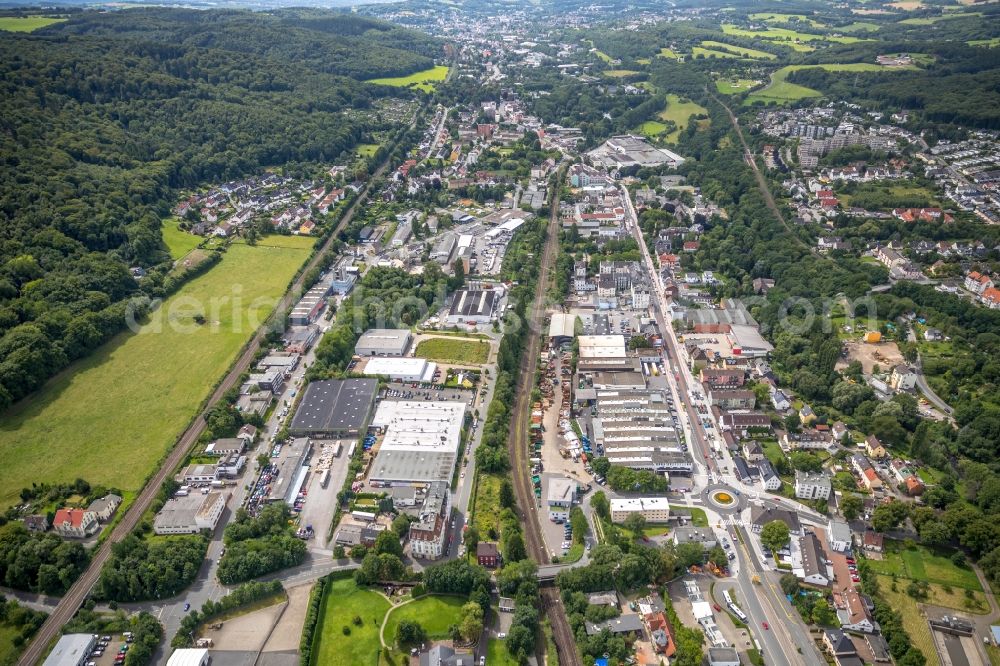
pixel 723 499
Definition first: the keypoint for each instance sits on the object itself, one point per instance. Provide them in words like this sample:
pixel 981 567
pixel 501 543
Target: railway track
pixel 519 443
pixel 77 594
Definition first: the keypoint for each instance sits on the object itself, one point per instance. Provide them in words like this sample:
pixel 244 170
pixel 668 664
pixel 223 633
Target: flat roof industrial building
pixel 420 444
pixel 562 328
pixel 403 369
pixel 384 342
pixel 473 306
pixel 71 650
pixel 333 408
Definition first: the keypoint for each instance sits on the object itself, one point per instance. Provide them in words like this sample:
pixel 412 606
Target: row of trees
pixel 39 562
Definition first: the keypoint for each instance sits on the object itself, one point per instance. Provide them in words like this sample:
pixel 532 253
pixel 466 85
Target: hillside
pixel 107 115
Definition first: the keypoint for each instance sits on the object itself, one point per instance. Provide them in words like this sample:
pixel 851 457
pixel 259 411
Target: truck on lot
pixel 324 479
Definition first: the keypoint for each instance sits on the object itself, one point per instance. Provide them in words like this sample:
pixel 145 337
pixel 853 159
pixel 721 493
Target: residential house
pixel 487 554
pixel 732 398
pixel 442 655
pixel 839 431
pixel 760 516
pixel 806 415
pixel 753 452
pixel 718 378
pixel 768 476
pixel 902 378
pixel 815 570
pixel 857 615
pixel 780 400
pixel 869 477
pixel 872 542
pixel 702 535
pixel 914 486
pixel 874 448
pixel 991 298
pixel 812 486
pixel 839 536
pixel 75 523
pixel 838 644
pixel 807 439
pixel 105 507
pixel 977 283
pixel 36 523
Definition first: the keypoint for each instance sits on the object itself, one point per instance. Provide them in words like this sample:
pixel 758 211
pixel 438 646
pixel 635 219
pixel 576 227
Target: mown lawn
pixel 735 86
pixel 922 563
pixel 110 417
pixel 620 73
pixel 679 112
pixel 423 80
pixel 178 241
pixel 774 17
pixel 460 352
pixel 652 128
pixel 26 23
pixel 497 654
pixel 343 601
pixel 668 53
pixel 366 149
pixel 739 50
pixel 709 53
pixel 435 613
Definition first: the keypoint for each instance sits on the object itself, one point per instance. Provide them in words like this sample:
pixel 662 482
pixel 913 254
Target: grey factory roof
pixel 473 303
pixel 335 405
pixel 412 466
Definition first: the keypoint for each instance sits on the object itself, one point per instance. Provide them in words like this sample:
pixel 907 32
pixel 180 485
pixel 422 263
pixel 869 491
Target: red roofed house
pixel 75 523
pixel 991 298
pixel 691 246
pixel 977 283
pixel 487 554
pixel 660 634
pixel 671 261
pixel 914 486
pixel 921 214
pixel 825 194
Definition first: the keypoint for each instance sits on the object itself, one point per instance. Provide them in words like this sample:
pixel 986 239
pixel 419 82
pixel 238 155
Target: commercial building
pixel 384 342
pixel 419 443
pixel 562 327
pixel 653 509
pixel 402 369
pixel 291 471
pixel 335 408
pixel 189 514
pixel 71 650
pixel 635 428
pixel 309 306
pixel 812 486
pixel 560 497
pixel 189 657
pixel 429 532
pixel 474 306
pixel 723 656
pixel 814 569
pixel 700 535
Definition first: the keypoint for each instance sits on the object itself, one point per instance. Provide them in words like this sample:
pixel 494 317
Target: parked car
pixel 765 625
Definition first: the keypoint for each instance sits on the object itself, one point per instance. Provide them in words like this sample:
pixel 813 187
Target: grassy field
pixel 460 352
pixel 708 53
pixel 679 112
pixel 739 50
pixel 921 563
pixel 913 621
pixel 423 80
pixel 773 17
pixel 669 53
pixel 734 87
pixel 8 653
pixel 26 23
pixel 780 90
pixel 620 73
pixel 602 55
pixel 366 149
pixel 342 602
pixel 434 613
pixel 698 516
pixel 930 20
pixel 486 502
pixel 111 416
pixel 178 241
pixel 497 654
pixel 786 35
pixel 652 128
pixel 989 43
pixel 859 26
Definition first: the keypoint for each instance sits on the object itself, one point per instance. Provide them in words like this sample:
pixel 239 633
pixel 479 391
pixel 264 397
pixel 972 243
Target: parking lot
pixel 321 499
pixel 110 650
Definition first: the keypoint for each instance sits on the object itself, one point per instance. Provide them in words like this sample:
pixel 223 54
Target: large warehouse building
pixel 402 369
pixel 334 408
pixel 474 306
pixel 420 442
pixel 384 342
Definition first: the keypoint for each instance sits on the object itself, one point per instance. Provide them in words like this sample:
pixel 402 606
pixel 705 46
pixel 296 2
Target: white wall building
pixel 560 498
pixel 812 486
pixel 653 509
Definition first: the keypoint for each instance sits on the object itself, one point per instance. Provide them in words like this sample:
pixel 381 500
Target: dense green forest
pixel 107 115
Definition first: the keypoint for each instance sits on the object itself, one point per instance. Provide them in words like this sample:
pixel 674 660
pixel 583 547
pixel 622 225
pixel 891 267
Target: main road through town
pixel 786 641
